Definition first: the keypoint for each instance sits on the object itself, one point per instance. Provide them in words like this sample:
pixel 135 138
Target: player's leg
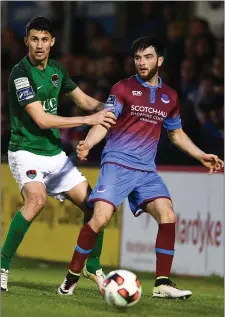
pixel 85 243
pixel 34 195
pixel 26 169
pixel 114 184
pixel 92 269
pixel 161 209
pixel 68 182
pixel 152 196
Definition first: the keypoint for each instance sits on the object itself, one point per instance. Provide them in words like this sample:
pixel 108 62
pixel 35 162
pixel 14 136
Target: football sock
pixel 16 233
pixel 85 243
pixel 93 260
pixel 165 249
pixel 72 277
pixel 162 280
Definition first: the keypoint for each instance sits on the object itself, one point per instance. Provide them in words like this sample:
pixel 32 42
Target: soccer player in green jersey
pixel 36 160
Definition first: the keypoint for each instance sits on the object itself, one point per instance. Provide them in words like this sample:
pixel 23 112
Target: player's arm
pixel 95 136
pixel 23 86
pixel 84 101
pixel 46 121
pixel 183 142
pixel 98 132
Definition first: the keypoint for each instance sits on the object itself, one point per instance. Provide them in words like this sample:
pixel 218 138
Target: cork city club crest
pixel 31 174
pixel 55 80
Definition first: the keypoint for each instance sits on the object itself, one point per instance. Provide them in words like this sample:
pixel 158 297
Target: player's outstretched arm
pixel 84 101
pixel 47 121
pixel 95 135
pixel 182 141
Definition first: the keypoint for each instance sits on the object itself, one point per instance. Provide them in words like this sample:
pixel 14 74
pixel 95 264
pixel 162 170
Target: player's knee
pixel 169 215
pixel 99 220
pixel 35 202
pixel 98 223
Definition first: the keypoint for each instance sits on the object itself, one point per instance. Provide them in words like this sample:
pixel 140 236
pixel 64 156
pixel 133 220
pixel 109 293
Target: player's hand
pixel 212 162
pixel 82 150
pixel 105 117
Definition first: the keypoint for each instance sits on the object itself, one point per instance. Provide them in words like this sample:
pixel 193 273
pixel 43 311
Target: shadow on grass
pixel 34 286
pixel 87 297
pixel 52 288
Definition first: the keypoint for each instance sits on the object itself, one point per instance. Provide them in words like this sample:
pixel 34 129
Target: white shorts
pixel 57 172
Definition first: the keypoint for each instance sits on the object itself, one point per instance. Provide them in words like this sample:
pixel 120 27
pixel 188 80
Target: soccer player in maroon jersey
pixel 142 105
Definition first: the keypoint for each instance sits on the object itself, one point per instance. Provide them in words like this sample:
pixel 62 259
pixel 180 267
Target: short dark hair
pixel 142 43
pixel 40 24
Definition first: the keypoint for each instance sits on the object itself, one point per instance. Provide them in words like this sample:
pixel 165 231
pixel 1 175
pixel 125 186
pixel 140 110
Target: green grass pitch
pixel 33 285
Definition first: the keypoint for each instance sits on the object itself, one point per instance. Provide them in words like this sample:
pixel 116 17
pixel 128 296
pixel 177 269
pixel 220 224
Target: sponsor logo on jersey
pixel 148 114
pixel 111 102
pixel 21 82
pixel 150 110
pixel 55 80
pixel 165 98
pixel 31 174
pixel 101 189
pixel 50 105
pixel 25 93
pixel 136 93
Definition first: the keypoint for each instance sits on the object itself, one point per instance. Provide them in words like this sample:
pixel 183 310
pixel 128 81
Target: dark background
pixel 93 41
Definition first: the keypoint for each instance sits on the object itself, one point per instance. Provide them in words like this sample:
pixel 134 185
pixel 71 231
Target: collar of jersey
pixel 146 84
pixel 29 62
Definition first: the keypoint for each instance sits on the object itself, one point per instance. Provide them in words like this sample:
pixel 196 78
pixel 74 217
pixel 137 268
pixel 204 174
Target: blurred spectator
pixel 190 47
pixel 128 67
pixel 212 122
pixel 204 50
pixel 174 53
pixel 198 27
pixel 205 91
pixel 100 47
pixel 217 71
pixel 169 12
pixel 219 51
pixel 188 79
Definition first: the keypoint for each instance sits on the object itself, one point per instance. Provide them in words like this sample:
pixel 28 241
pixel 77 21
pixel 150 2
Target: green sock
pixel 93 260
pixel 16 233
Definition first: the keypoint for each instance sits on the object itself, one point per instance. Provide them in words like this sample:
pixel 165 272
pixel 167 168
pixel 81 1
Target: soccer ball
pixel 121 288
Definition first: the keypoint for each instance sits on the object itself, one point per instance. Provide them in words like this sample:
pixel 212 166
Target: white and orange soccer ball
pixel 121 288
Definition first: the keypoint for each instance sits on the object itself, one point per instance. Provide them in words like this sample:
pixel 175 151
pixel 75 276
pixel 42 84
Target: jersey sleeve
pixel 173 121
pixel 116 99
pixel 68 84
pixel 23 87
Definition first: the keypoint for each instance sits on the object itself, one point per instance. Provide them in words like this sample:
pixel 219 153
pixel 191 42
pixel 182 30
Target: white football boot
pixel 165 288
pixel 98 277
pixel 4 280
pixel 68 285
